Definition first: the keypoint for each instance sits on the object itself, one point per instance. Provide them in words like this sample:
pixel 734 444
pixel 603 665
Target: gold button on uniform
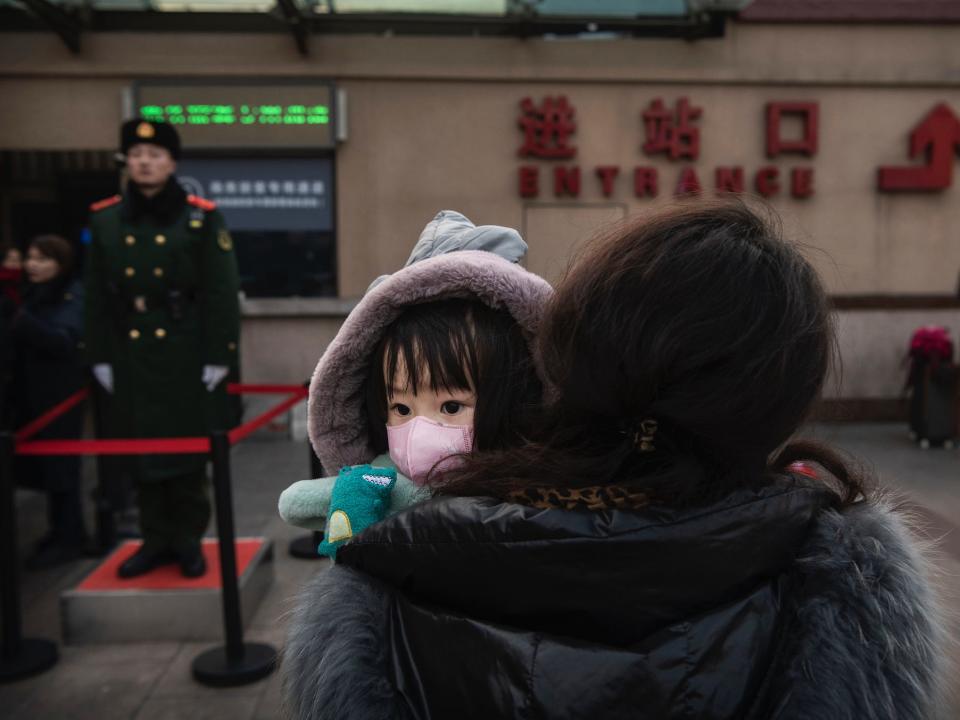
pixel 130 240
pixel 232 346
pixel 160 333
pixel 158 272
pixel 129 272
pixel 160 239
pixel 134 334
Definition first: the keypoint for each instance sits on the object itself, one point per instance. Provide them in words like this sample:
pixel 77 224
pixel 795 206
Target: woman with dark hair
pixel 659 548
pixel 46 332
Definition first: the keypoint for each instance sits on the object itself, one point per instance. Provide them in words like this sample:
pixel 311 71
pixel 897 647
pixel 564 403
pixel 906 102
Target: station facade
pixel 848 129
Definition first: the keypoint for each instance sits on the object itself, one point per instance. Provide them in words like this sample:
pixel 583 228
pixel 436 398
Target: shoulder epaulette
pixel 201 203
pixel 105 203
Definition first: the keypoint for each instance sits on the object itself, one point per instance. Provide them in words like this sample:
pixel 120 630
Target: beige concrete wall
pixel 873 346
pixel 432 125
pixel 415 148
pixel 834 54
pixel 284 350
pixel 59 113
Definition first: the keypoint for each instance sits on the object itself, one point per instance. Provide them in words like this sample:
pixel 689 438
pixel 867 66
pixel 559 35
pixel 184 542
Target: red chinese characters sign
pixel 670 130
pixel 806 144
pixel 547 128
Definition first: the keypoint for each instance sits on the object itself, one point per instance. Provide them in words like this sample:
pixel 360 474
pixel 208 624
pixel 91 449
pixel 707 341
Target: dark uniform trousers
pixel 174 512
pixel 162 302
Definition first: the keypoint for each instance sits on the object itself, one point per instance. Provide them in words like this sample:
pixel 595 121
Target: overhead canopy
pixel 501 8
pixel 690 19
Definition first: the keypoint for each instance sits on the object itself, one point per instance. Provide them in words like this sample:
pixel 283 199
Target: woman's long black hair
pixel 700 317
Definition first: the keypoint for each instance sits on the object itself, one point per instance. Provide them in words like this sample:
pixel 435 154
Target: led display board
pixel 242 116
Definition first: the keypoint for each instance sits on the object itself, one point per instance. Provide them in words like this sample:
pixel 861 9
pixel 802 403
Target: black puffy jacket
pixel 769 604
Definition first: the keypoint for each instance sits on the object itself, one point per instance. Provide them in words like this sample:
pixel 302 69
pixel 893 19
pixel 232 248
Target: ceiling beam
pixel 56 19
pixel 701 26
pixel 297 24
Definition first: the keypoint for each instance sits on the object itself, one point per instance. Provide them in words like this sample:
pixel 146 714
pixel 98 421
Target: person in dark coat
pixel 46 332
pixel 162 326
pixel 660 548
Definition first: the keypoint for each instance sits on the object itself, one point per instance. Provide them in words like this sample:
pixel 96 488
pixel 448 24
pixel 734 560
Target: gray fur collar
pixel 865 639
pixel 867 635
pixel 334 663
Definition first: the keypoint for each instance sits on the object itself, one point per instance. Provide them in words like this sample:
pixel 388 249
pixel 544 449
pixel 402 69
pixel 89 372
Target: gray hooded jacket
pixel 453 259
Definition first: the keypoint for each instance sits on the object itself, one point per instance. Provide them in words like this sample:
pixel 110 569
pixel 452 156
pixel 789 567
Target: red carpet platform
pixel 167 577
pixel 163 605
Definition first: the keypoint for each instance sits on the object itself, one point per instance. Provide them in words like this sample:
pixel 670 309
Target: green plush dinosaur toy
pixel 308 503
pixel 359 499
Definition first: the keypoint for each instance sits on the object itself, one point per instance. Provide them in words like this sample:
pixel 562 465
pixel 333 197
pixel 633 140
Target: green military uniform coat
pixel 162 302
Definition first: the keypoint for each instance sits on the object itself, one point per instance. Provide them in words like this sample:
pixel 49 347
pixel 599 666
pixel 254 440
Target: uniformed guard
pixel 162 326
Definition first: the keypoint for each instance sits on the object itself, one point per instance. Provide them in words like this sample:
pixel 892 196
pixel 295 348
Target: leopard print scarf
pixel 608 497
pixel 595 497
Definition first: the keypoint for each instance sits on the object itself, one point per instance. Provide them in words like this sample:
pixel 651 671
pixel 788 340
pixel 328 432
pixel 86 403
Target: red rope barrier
pixel 35 426
pixel 244 389
pixel 149 446
pixel 242 431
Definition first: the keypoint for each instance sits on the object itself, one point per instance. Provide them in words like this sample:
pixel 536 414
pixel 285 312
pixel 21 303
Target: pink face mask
pixel 419 444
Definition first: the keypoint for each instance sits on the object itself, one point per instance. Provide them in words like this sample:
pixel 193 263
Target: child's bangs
pixel 435 346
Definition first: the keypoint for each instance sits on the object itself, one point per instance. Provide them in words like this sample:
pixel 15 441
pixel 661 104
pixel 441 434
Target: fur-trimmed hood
pixel 453 259
pixel 469 608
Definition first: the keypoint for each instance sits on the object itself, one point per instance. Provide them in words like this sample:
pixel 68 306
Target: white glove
pixel 213 375
pixel 103 372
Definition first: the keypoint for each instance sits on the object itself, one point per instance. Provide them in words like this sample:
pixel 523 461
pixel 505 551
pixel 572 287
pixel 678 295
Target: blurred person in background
pixel 46 333
pixel 12 257
pixel 161 328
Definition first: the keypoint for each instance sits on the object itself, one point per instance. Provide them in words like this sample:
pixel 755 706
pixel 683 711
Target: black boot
pixel 143 561
pixel 192 562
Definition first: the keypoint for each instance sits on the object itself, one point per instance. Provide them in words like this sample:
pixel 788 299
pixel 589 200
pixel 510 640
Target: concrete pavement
pixel 153 681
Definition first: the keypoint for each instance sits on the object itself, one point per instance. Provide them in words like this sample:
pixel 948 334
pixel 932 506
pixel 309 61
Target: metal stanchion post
pixel 305 547
pixel 106 525
pixel 20 657
pixel 237 662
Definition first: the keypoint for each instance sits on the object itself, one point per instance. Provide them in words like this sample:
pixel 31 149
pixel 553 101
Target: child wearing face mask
pixel 433 363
